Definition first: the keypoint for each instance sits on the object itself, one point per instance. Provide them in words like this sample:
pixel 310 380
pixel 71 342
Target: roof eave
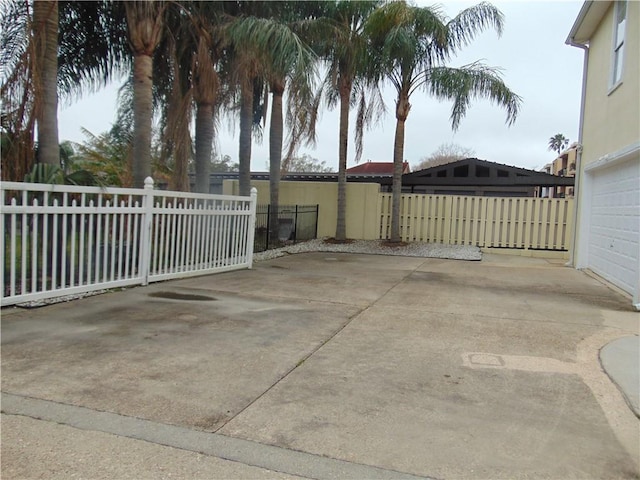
pixel 587 22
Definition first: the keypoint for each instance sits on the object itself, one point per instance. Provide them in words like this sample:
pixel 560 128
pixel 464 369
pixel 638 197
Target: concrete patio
pixel 325 365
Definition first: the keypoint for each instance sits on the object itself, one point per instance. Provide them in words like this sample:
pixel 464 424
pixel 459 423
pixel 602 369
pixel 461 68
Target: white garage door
pixel 614 245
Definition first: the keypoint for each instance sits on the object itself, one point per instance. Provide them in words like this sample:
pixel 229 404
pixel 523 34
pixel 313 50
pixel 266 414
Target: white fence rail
pixel 61 240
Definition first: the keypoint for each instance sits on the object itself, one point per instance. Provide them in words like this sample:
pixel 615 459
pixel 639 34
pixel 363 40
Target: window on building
pixel 618 41
pixel 482 171
pixel 461 171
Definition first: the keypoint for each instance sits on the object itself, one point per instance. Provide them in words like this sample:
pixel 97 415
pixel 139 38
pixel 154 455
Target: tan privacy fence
pixel 518 222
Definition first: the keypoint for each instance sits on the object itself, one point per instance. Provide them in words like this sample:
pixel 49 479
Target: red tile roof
pixel 377 168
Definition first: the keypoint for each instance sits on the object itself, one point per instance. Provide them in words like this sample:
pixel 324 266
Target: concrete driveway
pixel 324 366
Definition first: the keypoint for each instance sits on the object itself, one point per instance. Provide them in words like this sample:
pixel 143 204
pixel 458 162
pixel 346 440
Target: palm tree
pixel 175 98
pixel 207 47
pixel 558 143
pixel 45 25
pixel 29 85
pixel 413 44
pixel 91 48
pixel 17 89
pixel 245 65
pixel 264 52
pixel 348 79
pixel 289 62
pixel 145 24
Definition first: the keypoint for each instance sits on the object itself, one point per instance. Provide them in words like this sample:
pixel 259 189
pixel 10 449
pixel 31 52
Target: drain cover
pixel 182 296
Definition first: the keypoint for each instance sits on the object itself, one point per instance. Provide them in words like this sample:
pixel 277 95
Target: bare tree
pixel 306 163
pixel 445 153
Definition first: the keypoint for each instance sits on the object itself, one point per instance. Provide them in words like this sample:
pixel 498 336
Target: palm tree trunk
pixel 182 154
pixel 341 223
pixel 142 115
pixel 204 141
pixel 402 111
pixel 45 16
pixel 144 27
pixel 45 19
pixel 244 153
pixel 398 153
pixel 276 133
pixel 177 129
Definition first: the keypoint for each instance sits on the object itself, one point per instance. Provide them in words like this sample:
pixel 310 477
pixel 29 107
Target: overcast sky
pixel 536 64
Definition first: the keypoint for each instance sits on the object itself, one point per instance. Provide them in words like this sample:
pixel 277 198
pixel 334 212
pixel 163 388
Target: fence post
pixel 295 225
pixel 252 225
pixel 2 246
pixel 145 241
pixel 266 243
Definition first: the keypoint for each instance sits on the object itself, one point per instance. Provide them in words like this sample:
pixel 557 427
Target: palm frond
pixel 177 149
pixel 470 82
pixel 43 173
pixel 14 41
pixel 464 27
pixel 19 104
pixel 301 118
pixel 371 109
pixel 408 39
pixel 106 156
pixel 92 47
pixel 83 178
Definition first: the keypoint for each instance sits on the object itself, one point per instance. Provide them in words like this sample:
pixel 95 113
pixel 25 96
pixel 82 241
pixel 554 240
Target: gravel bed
pixel 375 247
pixel 62 299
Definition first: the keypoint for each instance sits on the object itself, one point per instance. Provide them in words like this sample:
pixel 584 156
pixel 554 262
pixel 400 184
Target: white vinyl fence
pixel 61 240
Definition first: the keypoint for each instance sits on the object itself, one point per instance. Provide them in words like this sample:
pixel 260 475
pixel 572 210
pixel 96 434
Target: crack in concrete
pixel 322 344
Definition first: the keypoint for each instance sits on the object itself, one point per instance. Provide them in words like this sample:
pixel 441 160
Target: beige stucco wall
pixel 612 118
pixel 362 204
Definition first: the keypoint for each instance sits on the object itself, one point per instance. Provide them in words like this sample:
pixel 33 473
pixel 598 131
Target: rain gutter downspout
pixel 576 192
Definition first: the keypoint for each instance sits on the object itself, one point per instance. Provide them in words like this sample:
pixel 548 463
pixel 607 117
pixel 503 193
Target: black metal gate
pixel 296 223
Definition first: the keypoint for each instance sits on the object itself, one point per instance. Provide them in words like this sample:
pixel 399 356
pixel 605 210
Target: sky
pixel 535 62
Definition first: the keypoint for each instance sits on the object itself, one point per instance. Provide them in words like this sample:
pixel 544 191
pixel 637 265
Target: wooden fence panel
pixel 468 220
pixel 502 222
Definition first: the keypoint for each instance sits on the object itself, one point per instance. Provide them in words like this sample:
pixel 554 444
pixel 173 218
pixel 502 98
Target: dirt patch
pixel 333 241
pixel 390 244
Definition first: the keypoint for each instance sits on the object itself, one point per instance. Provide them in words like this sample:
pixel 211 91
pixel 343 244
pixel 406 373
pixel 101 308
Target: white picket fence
pixel 61 240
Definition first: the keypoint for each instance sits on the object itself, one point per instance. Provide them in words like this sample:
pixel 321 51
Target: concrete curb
pixel 228 448
pixel 621 361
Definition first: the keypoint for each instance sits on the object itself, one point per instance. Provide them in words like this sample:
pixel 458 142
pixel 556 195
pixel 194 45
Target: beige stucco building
pixel 608 173
pixel 564 166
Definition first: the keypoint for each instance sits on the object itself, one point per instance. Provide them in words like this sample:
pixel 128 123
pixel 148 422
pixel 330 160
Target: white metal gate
pixel 61 240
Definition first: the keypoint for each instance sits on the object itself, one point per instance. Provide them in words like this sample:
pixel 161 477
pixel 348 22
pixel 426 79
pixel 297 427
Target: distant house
pixel 564 166
pixel 608 176
pixel 376 168
pixel 472 176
